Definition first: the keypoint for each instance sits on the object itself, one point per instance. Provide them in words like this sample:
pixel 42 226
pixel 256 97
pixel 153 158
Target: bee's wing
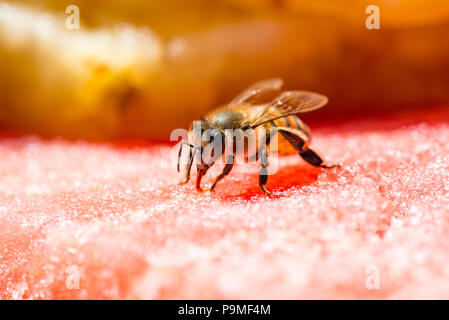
pixel 260 92
pixel 290 103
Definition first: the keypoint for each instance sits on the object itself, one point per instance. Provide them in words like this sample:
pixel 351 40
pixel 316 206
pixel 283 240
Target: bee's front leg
pixel 186 179
pixel 201 172
pixel 227 168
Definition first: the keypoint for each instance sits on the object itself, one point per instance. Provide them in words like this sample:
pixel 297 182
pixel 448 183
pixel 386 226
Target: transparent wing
pixel 260 92
pixel 290 103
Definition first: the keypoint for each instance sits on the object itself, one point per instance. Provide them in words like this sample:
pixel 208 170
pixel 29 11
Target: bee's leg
pixel 299 144
pixel 263 178
pixel 227 168
pixel 201 172
pixel 311 157
pixel 263 173
pixel 293 137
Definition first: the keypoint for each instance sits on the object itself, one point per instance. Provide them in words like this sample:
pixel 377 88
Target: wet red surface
pixel 113 216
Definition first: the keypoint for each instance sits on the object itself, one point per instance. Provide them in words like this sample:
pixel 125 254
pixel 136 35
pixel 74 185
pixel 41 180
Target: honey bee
pixel 265 109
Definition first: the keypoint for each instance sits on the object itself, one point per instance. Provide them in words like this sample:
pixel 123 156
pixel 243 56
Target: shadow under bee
pixel 286 178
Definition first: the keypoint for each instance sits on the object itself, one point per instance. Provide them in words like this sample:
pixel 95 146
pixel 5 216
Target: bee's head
pixel 209 140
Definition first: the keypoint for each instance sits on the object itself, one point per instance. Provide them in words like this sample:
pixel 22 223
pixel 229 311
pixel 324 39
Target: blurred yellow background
pixel 143 68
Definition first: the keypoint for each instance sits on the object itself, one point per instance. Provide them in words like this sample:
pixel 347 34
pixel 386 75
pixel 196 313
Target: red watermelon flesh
pixel 112 216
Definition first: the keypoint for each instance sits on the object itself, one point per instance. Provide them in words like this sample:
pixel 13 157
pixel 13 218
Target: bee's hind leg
pixel 311 157
pixel 307 154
